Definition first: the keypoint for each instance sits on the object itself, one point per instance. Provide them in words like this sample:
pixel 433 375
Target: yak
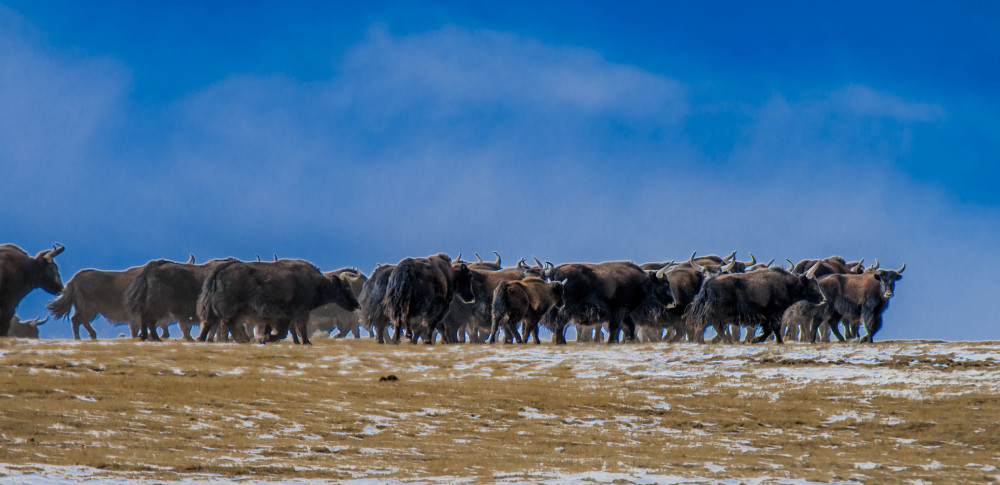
pixel 275 295
pixel 750 299
pixel 327 317
pixel 164 291
pixel 374 315
pixel 420 291
pixel 93 292
pixel 526 300
pixel 857 297
pixel 24 328
pixel 20 273
pixel 605 292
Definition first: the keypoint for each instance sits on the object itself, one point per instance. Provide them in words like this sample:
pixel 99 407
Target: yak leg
pixel 398 330
pixel 824 331
pixel 300 325
pixel 768 330
pixel 148 330
pixel 628 329
pixel 559 332
pixel 206 328
pixel 722 332
pixel 515 334
pixel 495 328
pixel 833 326
pixel 186 330
pixel 872 317
pixel 90 330
pixel 615 324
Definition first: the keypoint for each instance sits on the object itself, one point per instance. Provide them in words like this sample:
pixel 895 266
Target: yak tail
pixel 136 293
pixel 61 306
pixel 212 286
pixel 694 316
pixel 399 291
pixel 500 304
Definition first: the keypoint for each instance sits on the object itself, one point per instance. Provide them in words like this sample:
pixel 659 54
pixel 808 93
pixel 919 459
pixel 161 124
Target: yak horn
pixel 459 258
pixel 790 264
pixel 520 264
pixel 663 271
pixel 190 258
pixel 539 263
pixel 478 258
pixel 691 259
pixel 900 270
pixel 768 265
pixel 812 271
pixel 732 256
pixel 38 322
pixel 51 253
pixel 753 260
pixel 874 266
pixel 497 262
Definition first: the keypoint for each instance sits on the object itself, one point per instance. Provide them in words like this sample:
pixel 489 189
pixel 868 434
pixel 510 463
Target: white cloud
pixel 864 101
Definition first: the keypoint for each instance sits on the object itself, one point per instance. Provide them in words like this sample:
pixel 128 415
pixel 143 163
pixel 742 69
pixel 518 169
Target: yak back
pixel 422 286
pixel 750 299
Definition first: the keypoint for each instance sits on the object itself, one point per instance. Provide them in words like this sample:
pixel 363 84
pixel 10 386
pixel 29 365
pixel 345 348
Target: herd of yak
pixel 422 298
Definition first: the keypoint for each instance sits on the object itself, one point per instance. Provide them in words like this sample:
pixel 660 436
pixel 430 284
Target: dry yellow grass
pixel 279 411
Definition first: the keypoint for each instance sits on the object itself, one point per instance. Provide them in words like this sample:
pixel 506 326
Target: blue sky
pixel 362 134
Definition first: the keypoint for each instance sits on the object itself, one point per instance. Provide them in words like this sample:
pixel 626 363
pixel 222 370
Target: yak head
pixel 462 279
pixel 887 280
pixel 527 271
pixel 48 271
pixel 557 292
pixel 659 286
pixel 339 291
pixel 736 266
pixel 811 291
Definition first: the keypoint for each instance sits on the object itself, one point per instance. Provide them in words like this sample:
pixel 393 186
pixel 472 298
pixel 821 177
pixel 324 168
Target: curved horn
pixel 51 253
pixel 753 260
pixel 56 249
pixel 38 322
pixel 549 266
pixel 459 258
pixel 478 259
pixel 874 266
pixel 691 259
pixel 520 264
pixel 190 258
pixel 497 262
pixel 663 271
pixel 768 265
pixel 732 256
pixel 858 266
pixel 791 265
pixel 729 267
pixel 900 270
pixel 539 263
pixel 812 271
